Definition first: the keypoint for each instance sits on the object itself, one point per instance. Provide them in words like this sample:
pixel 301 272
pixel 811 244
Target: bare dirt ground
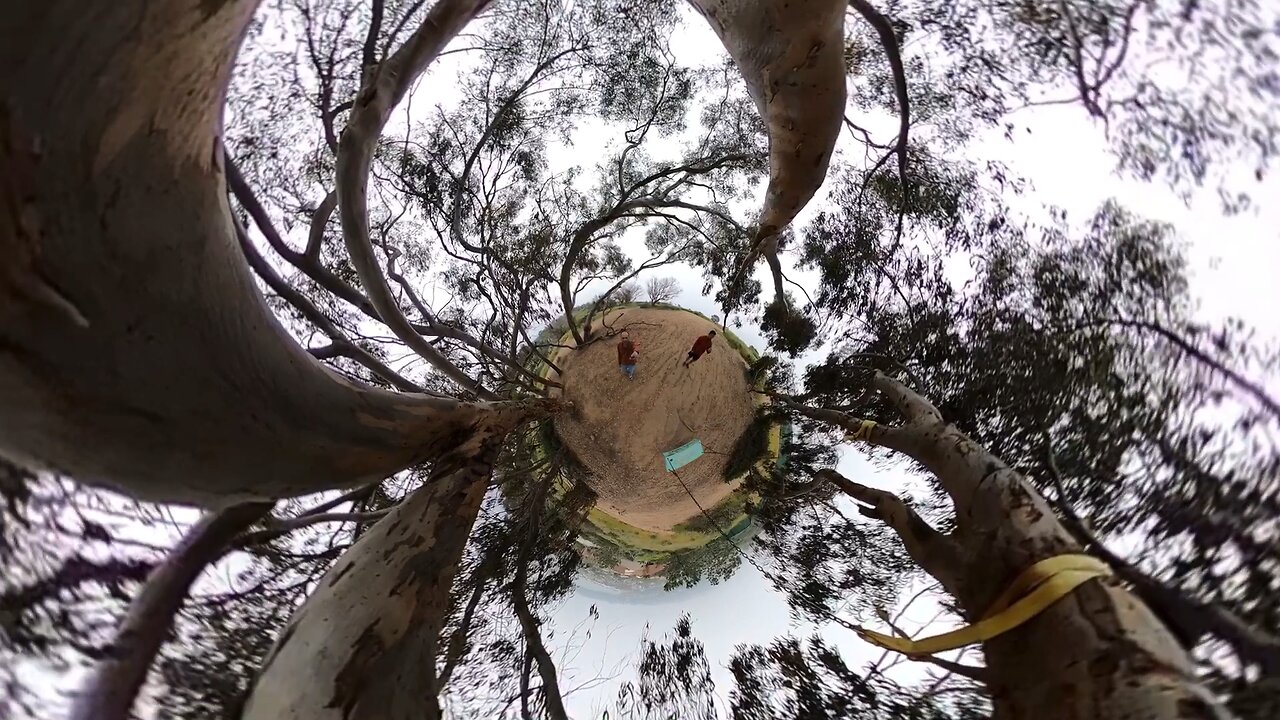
pixel 621 427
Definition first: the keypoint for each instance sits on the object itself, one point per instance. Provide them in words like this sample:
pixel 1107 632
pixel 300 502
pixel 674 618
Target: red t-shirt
pixel 702 345
pixel 625 349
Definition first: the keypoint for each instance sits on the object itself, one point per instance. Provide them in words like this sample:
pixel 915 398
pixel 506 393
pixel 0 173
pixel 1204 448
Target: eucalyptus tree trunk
pixel 791 56
pixel 365 643
pixel 1098 653
pixel 135 350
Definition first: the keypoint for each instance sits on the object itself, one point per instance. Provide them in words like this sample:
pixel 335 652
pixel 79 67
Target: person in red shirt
pixel 628 355
pixel 701 346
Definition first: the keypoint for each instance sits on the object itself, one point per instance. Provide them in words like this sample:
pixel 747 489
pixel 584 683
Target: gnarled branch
pixel 933 551
pixel 384 90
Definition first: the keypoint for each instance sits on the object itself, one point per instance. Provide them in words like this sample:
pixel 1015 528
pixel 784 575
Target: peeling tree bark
pixel 135 351
pixel 112 687
pixel 791 56
pixel 365 643
pixel 1097 653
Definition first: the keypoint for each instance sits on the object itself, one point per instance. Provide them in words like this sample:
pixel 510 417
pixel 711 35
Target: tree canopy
pixel 295 264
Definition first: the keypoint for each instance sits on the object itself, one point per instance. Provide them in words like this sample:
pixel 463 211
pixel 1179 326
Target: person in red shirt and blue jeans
pixel 701 346
pixel 628 354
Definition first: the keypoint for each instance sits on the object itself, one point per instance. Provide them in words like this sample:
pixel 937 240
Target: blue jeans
pixel 630 370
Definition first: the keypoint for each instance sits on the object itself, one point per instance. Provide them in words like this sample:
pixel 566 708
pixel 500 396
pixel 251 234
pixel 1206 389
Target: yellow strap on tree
pixel 1038 587
pixel 862 433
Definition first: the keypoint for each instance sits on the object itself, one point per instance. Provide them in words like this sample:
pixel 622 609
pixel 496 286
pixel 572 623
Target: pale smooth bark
pixel 388 85
pixel 365 643
pixel 1097 653
pixel 135 350
pixel 791 56
pixel 113 685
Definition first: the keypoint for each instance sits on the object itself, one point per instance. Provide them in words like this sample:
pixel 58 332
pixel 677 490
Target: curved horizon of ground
pixel 638 527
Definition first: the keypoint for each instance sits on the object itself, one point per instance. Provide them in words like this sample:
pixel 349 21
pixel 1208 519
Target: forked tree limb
pixel 583 236
pixel 440 329
pixel 1191 618
pixel 385 88
pixel 464 177
pixel 341 344
pixel 802 103
pixel 1051 663
pixel 889 41
pixel 182 387
pixel 932 550
pixel 308 263
pixel 112 686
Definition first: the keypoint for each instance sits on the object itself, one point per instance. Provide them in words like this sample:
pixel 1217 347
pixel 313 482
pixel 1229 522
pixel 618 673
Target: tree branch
pixel 1190 618
pixel 458 639
pixel 913 406
pixel 529 624
pixel 341 344
pixel 455 213
pixel 374 105
pixel 443 330
pixel 882 435
pixel 278 528
pixel 889 41
pixel 351 496
pixel 111 688
pixel 319 221
pixel 1240 381
pixel 369 57
pixel 649 264
pixel 933 551
pixel 979 674
pixel 583 236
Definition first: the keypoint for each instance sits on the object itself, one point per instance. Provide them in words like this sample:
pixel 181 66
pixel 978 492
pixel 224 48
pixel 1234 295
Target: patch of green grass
pixel 629 535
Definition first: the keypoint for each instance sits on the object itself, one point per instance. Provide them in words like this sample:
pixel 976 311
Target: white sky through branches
pixel 1233 262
